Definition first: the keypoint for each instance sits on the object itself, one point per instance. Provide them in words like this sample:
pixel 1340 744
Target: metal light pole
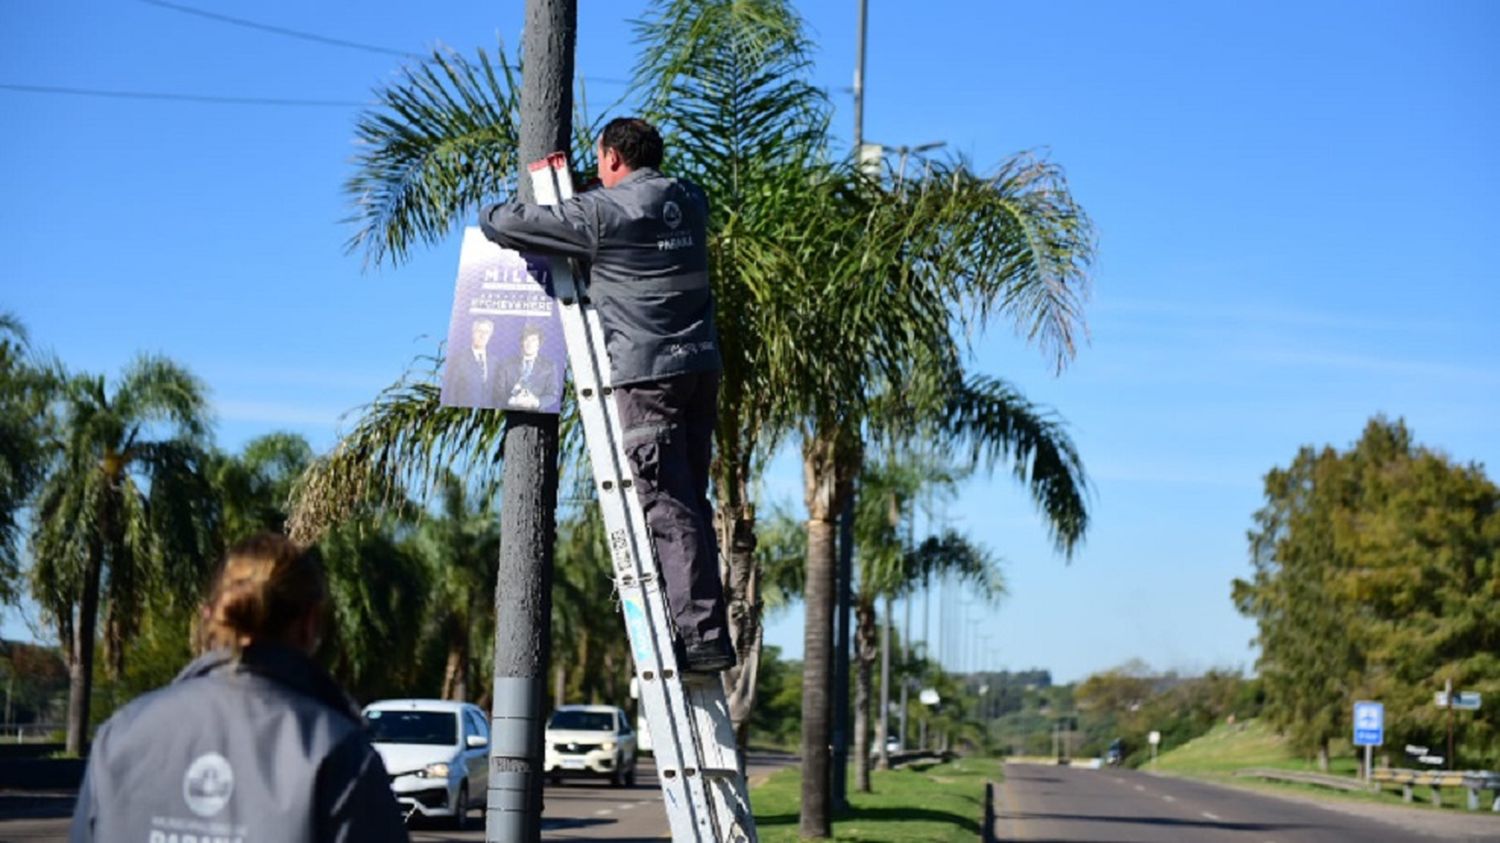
pixel 844 585
pixel 883 758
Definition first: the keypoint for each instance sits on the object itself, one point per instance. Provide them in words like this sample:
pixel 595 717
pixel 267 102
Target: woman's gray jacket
pixel 265 748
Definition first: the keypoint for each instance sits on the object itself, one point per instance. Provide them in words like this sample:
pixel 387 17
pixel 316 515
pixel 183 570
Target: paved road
pixel 574 810
pixel 1067 805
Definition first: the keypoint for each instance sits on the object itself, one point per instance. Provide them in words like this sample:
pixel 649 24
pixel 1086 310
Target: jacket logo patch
pixel 208 783
pixel 671 214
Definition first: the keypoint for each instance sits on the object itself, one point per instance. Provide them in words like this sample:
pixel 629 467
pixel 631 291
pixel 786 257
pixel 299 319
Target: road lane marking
pixel 1169 798
pixel 1141 788
pixel 1118 780
pixel 626 805
pixel 602 811
pixel 1211 815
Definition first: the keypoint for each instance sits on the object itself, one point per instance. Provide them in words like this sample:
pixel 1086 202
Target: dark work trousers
pixel 668 428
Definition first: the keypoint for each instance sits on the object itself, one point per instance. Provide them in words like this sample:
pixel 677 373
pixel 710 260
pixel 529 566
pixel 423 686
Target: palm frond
pixel 952 554
pixel 153 389
pixel 995 423
pixel 403 442
pixel 443 140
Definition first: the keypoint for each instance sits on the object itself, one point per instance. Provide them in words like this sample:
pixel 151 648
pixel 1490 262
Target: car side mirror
pixel 477 741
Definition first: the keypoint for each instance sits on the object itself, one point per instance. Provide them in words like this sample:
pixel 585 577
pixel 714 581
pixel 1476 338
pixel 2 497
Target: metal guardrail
pixel 1474 782
pixel 1299 777
pixel 29 732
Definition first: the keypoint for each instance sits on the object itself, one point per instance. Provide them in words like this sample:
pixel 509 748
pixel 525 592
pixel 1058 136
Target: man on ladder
pixel 645 238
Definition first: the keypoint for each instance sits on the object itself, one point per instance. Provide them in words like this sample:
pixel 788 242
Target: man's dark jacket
pixel 264 748
pixel 646 240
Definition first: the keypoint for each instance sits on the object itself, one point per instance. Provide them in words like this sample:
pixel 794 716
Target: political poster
pixel 505 340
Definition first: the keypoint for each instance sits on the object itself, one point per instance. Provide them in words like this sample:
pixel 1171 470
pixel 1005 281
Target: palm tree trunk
pixel 865 650
pixel 528 517
pixel 81 665
pixel 736 528
pixel 825 488
pixel 455 684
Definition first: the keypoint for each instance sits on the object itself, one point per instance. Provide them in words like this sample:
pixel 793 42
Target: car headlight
pixel 435 771
pixel 608 746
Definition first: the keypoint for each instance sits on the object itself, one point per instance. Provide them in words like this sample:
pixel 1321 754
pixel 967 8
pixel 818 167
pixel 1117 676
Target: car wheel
pixel 461 807
pixel 630 774
pixel 617 778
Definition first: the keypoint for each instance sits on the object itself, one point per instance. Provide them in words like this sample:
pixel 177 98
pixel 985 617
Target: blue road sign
pixel 1369 723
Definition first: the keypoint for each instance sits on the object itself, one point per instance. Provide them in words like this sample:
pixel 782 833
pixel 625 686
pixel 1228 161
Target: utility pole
pixel 859 82
pixel 883 758
pixel 1448 694
pixel 844 579
pixel 528 511
pixel 902 667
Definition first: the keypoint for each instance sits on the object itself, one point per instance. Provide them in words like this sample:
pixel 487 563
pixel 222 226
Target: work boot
pixel 708 656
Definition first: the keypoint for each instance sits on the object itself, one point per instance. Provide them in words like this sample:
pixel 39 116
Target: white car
pixel 437 754
pixel 590 740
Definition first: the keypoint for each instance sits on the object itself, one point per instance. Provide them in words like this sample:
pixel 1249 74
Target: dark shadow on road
pixel 36 806
pixel 569 823
pixel 1171 822
pixel 967 823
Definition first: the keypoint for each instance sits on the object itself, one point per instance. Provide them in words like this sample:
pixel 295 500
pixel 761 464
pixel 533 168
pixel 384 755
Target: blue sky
pixel 1296 204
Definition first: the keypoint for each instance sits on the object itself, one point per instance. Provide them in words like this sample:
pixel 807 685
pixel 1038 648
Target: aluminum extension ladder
pixel 697 758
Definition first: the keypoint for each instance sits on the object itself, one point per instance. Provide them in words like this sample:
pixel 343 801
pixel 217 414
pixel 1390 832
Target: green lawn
pixel 1227 748
pixel 929 805
pixel 1216 755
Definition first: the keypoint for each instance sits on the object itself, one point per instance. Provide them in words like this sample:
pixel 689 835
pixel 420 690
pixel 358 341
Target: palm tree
pixel 891 565
pixel 891 288
pixel 379 592
pixel 837 287
pixel 593 663
pixel 727 82
pixel 25 386
pixel 460 546
pixel 255 485
pixel 125 516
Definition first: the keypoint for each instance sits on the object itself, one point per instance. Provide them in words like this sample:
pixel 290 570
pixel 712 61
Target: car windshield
pixel 439 728
pixel 583 721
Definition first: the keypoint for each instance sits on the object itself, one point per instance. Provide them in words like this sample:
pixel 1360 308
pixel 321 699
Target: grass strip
pixel 1215 757
pixel 923 804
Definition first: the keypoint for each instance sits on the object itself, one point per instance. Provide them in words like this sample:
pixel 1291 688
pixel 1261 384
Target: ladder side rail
pixel 689 802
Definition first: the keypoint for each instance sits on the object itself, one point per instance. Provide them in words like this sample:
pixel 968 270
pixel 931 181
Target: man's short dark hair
pixel 637 141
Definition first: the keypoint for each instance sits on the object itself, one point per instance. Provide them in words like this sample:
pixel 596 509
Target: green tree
pixel 379 592
pixel 593 663
pixel 1376 572
pixel 125 519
